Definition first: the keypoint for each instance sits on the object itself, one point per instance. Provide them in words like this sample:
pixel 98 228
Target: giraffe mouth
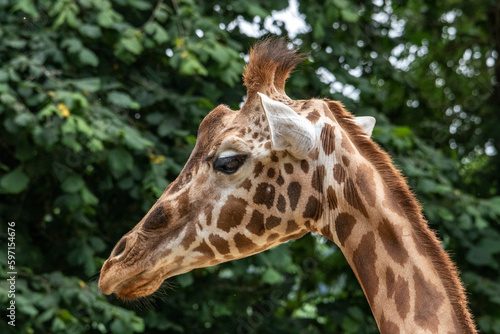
pixel 139 285
pixel 143 284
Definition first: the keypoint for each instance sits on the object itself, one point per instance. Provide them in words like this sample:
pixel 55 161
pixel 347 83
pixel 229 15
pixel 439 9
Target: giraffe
pixel 277 169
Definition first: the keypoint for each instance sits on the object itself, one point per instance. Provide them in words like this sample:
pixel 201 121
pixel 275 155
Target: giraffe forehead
pixel 217 122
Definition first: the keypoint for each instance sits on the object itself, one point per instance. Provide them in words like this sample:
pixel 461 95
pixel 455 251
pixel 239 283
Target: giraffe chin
pixel 137 287
pixel 144 283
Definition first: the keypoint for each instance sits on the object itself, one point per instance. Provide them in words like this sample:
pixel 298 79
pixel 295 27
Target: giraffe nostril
pixel 120 247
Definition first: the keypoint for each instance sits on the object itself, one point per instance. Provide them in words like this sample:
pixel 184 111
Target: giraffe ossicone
pixel 277 169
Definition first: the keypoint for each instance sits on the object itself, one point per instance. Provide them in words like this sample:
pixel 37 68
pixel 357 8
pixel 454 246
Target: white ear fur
pixel 289 131
pixel 366 122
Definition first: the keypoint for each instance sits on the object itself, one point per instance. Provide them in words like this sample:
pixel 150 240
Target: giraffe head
pixel 253 181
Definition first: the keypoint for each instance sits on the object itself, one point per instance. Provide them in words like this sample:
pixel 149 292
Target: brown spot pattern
pixel 313 209
pixel 247 184
pixel 392 238
pixel 343 226
pixel 208 214
pixel 306 104
pixel 183 207
pixel 293 191
pixel 272 237
pixel 280 181
pixel 328 139
pixel 291 227
pixel 204 249
pixel 339 173
pixel 272 222
pixel 189 236
pixel 392 203
pixel 364 259
pixel 428 300
pixel 259 167
pixel 271 172
pixel 327 232
pixel 365 182
pixel 332 198
pixel 243 244
pixel 345 160
pixel 314 154
pixel 402 297
pixel 220 244
pixel 352 197
pixel 305 166
pixel 281 206
pixel 232 213
pixel 264 194
pixel 390 280
pixel 313 116
pixel 318 178
pixel 156 219
pixel 388 327
pixel 256 224
pixel 288 168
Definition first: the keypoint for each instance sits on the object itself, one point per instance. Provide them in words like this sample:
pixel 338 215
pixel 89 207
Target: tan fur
pixel 271 62
pixel 205 217
pixel 397 182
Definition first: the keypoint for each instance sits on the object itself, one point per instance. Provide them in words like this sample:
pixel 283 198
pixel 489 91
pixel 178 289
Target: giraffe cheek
pixel 156 219
pixel 264 194
pixel 281 206
pixel 232 213
pixel 256 224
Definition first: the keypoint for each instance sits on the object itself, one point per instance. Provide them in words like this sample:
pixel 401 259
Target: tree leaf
pixel 87 84
pixel 72 183
pixel 88 57
pixel 271 276
pixel 90 30
pixel 14 182
pixel 120 161
pixel 122 100
pixel 479 256
pixel 349 16
pixel 132 44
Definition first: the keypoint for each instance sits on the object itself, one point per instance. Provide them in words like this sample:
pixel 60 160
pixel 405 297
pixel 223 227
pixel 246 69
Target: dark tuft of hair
pixel 271 62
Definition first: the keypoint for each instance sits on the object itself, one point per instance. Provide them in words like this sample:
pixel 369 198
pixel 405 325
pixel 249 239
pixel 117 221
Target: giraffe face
pixel 241 192
pixel 275 170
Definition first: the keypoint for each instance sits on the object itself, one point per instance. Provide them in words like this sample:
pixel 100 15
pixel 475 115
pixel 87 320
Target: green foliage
pixel 99 106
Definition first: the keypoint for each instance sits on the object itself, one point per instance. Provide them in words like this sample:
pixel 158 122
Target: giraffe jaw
pixel 137 287
pixel 133 286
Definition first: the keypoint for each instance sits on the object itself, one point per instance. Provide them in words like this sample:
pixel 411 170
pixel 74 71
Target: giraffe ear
pixel 366 122
pixel 289 131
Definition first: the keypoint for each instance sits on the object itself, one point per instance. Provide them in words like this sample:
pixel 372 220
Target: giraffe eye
pixel 230 164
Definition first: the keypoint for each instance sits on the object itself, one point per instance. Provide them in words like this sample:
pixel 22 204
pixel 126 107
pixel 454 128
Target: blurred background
pixel 100 101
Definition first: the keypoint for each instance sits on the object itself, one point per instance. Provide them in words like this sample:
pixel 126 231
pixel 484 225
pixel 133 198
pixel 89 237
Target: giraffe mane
pixel 410 205
pixel 271 62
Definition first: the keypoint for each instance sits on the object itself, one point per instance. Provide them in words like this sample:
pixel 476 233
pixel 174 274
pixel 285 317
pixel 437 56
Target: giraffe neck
pixel 409 281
